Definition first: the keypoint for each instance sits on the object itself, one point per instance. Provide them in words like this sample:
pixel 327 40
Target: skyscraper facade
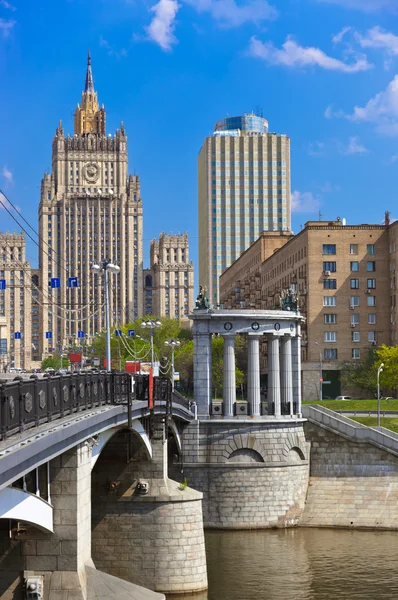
pixel 243 189
pixel 90 210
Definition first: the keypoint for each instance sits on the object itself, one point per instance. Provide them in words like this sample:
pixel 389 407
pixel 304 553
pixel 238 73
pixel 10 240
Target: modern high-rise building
pixel 15 303
pixel 90 210
pixel 169 283
pixel 243 189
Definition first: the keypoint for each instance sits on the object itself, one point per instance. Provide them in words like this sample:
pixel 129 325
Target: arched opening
pixel 245 455
pixel 295 455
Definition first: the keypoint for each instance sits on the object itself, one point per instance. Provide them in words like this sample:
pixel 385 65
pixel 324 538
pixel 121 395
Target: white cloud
pixel 366 5
pixel 378 38
pixel 6 26
pixel 7 5
pixel 110 50
pixel 382 110
pixel 7 175
pixel 293 55
pixel 161 28
pixel 337 39
pixel 316 148
pixel 231 14
pixel 353 147
pixel 304 202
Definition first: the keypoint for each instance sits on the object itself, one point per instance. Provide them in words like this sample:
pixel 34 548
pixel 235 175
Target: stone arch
pixel 245 455
pixel 294 449
pixel 176 434
pixel 248 442
pixel 100 441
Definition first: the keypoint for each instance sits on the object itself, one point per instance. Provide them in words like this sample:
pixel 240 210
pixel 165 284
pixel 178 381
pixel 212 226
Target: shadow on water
pixel 301 564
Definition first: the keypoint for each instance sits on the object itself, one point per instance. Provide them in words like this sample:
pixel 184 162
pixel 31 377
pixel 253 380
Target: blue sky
pixel 323 71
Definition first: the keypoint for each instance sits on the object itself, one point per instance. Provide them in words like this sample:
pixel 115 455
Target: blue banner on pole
pixel 73 282
pixel 3 284
pixel 55 282
pixel 17 335
pixel 131 332
pixel 80 334
pixel 49 335
pixel 118 332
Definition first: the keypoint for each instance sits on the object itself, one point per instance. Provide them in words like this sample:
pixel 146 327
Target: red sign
pixel 321 379
pixel 75 357
pixel 133 366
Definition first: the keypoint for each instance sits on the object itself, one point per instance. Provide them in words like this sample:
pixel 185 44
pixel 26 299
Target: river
pixel 301 564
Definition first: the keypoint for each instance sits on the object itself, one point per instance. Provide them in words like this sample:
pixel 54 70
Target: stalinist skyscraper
pixel 90 210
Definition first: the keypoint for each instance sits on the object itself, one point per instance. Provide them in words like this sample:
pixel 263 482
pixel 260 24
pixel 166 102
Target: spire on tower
pixel 89 87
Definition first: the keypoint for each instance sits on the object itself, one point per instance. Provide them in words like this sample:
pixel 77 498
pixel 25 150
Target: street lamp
pixel 104 267
pixel 320 374
pixel 173 344
pixel 379 370
pixel 151 324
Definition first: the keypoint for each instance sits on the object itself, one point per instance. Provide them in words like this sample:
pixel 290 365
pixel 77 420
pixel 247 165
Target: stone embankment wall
pixel 351 484
pixel 252 476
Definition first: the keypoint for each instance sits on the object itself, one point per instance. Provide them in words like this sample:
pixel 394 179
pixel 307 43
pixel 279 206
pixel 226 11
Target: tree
pixel 183 359
pixel 389 376
pixel 54 362
pixel 363 373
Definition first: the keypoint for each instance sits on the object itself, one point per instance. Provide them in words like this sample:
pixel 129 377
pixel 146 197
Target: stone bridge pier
pixel 252 467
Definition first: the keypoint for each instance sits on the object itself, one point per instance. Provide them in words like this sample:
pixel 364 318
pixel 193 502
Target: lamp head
pixel 96 268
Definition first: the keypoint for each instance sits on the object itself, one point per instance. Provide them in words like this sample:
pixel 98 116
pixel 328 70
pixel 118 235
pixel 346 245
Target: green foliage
pixel 388 423
pixel 183 484
pixel 54 362
pixel 355 404
pixel 363 373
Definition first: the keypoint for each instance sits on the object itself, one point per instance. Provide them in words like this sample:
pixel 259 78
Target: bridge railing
pixel 26 403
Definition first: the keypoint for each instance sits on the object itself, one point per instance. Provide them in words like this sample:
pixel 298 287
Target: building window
pixel 356 336
pixel 329 284
pixel 354 301
pixel 329 266
pixel 371 265
pixel 355 319
pixel 355 353
pixel 353 248
pixel 330 336
pixel 371 284
pixel 354 265
pixel 329 301
pixel 354 284
pixel 372 337
pixel 371 300
pixel 370 249
pixel 330 319
pixel 372 319
pixel 330 354
pixel 329 249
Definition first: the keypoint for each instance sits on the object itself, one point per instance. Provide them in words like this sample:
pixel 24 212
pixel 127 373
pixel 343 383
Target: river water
pixel 301 564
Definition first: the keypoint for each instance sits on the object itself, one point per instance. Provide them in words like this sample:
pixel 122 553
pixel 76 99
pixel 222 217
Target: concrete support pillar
pixel 229 395
pixel 296 372
pixel 286 373
pixel 202 372
pixel 274 385
pixel 253 374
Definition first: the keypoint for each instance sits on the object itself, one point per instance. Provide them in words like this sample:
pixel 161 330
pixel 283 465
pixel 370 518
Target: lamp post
pixel 173 344
pixel 151 324
pixel 320 374
pixel 104 267
pixel 379 370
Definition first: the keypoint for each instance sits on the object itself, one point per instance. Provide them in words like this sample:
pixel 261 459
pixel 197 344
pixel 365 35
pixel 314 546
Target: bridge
pixel 53 432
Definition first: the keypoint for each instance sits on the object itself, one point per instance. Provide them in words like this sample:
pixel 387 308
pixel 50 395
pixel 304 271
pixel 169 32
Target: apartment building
pixel 243 189
pixel 342 276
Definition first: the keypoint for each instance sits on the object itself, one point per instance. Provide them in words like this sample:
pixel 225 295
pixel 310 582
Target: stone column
pixel 202 373
pixel 296 374
pixel 229 395
pixel 274 385
pixel 253 374
pixel 286 374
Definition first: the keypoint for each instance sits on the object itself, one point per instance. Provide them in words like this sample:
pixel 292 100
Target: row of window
pixel 331 336
pixel 331 284
pixel 354 266
pixel 331 319
pixel 354 301
pixel 331 354
pixel 331 249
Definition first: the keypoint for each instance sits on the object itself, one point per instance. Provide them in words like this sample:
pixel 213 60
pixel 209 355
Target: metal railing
pixel 26 403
